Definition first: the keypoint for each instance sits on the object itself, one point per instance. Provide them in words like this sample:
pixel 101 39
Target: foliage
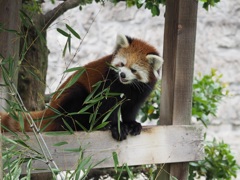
pixel 209 3
pixel 208 91
pixel 68 35
pixel 219 163
pixel 151 108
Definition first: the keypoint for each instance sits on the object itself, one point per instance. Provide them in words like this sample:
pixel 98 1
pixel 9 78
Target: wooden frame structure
pixel 175 142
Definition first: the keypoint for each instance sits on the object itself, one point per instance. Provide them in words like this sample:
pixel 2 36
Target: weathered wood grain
pixel 158 144
pixel 177 78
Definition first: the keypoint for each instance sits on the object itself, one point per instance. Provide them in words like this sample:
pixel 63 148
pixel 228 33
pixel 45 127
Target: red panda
pixel 132 69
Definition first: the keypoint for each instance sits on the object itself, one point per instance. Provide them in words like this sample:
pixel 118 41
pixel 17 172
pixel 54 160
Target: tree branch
pixel 52 15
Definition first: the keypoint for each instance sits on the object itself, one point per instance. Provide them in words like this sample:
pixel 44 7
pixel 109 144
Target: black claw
pixel 122 135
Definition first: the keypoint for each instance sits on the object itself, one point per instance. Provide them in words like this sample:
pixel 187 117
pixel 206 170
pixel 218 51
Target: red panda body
pixel 131 70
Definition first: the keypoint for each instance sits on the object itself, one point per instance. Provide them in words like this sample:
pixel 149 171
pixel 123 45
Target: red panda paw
pixel 122 135
pixel 134 128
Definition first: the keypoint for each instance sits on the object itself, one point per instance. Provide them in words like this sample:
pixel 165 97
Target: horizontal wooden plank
pixel 158 144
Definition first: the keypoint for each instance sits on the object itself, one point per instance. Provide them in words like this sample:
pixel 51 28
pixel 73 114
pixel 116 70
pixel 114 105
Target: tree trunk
pixel 33 69
pixel 32 73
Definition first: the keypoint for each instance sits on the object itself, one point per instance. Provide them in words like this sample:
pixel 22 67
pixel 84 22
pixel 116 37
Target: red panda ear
pixel 122 41
pixel 156 62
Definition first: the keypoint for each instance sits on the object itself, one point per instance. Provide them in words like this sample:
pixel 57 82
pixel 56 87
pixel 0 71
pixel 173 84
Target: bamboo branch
pixel 52 15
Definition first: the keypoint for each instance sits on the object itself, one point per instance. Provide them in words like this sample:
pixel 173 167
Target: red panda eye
pixel 121 64
pixel 133 70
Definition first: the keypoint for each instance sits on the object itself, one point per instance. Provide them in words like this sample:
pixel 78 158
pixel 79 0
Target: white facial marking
pixel 122 41
pixel 156 62
pixel 128 75
pixel 142 72
pixel 118 60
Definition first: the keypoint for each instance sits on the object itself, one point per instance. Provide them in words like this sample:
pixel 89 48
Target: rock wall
pixel 217 46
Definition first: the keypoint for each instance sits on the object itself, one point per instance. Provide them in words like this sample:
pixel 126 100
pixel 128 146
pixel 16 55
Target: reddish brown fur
pixel 94 72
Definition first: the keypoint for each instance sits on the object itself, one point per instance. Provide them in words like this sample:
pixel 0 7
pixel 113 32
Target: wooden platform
pixel 158 144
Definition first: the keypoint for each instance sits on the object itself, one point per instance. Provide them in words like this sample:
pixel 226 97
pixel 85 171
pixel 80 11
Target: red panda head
pixel 134 60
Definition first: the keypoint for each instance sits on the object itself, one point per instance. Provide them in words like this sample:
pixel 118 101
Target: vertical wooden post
pixel 9 47
pixel 179 49
pixel 9 41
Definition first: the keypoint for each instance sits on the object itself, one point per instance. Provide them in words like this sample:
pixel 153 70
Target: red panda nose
pixel 122 75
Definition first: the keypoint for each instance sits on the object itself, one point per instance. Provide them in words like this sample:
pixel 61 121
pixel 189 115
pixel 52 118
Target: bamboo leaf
pixel 85 129
pixel 64 33
pixel 83 110
pixel 73 150
pixel 69 43
pixel 73 79
pixel 115 160
pixel 68 127
pixel 119 122
pixel 58 133
pixel 73 31
pixel 64 50
pixel 130 174
pixel 75 69
pixel 102 125
pixel 60 143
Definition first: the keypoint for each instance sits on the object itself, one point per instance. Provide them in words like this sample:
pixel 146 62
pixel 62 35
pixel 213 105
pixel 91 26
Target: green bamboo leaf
pixel 96 86
pixel 58 133
pixel 22 143
pixel 21 121
pixel 60 143
pixel 9 140
pixel 83 128
pixel 75 77
pixel 75 69
pixel 73 150
pixel 72 80
pixel 102 125
pixel 130 174
pixel 28 169
pixel 69 43
pixel 95 100
pixel 119 122
pixel 107 116
pixel 73 31
pixel 65 49
pixel 64 33
pixel 115 160
pixel 68 127
pixel 85 108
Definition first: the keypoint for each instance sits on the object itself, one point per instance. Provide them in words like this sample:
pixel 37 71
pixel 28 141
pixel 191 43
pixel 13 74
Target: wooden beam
pixel 158 144
pixel 179 49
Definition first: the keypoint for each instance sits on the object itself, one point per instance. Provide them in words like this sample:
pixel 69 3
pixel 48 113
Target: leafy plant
pixel 69 37
pixel 208 91
pixel 150 110
pixel 219 163
pixel 209 3
pixel 120 169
